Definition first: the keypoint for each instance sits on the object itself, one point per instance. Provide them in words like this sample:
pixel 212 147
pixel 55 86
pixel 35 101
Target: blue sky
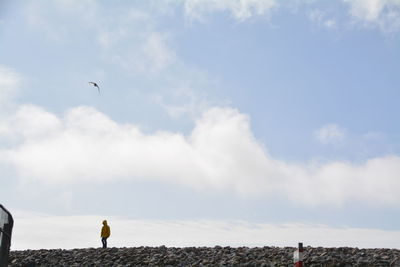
pixel 260 112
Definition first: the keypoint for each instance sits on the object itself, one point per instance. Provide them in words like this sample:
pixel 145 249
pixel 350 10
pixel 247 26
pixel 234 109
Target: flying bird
pixel 95 85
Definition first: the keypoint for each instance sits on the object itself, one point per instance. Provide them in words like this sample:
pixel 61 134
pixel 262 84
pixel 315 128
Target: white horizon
pixel 43 231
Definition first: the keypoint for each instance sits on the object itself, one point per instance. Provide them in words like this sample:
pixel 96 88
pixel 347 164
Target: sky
pixel 218 122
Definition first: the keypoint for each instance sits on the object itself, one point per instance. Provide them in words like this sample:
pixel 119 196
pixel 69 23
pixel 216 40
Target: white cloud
pixel 369 10
pixel 220 153
pixel 330 133
pixel 157 51
pixel 384 14
pixel 83 232
pixel 330 23
pixel 128 37
pixel 29 122
pixel 183 101
pixel 318 16
pixel 239 9
pixel 132 41
pixel 55 21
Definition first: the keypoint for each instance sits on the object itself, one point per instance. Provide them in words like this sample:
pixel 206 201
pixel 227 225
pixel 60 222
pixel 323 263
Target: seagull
pixel 95 85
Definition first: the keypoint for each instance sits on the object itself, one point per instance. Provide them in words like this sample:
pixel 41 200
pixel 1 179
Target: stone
pixel 205 256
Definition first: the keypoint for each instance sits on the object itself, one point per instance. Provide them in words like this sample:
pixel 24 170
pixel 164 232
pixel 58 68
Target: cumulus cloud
pixel 29 121
pixel 239 9
pixel 220 153
pixel 330 134
pixel 384 14
pixel 83 232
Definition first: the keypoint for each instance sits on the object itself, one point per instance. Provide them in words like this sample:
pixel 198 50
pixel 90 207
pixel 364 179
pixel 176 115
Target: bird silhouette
pixel 95 85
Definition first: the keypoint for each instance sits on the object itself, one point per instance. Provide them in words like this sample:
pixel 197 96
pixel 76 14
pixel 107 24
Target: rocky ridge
pixel 205 256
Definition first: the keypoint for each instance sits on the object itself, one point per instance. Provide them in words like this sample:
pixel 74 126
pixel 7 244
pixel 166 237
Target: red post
pixel 298 256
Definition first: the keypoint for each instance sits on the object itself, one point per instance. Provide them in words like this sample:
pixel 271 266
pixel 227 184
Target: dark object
pixel 298 256
pixel 105 233
pixel 95 85
pixel 104 242
pixel 6 225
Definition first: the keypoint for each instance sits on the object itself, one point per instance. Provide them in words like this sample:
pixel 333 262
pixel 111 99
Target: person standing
pixel 105 233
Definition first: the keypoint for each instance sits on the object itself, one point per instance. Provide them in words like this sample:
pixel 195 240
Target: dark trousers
pixel 104 241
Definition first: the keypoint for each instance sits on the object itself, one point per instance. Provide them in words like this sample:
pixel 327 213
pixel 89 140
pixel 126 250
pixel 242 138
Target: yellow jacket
pixel 105 230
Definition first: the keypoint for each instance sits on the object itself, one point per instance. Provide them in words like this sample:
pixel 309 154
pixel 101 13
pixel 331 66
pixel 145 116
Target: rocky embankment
pixel 205 256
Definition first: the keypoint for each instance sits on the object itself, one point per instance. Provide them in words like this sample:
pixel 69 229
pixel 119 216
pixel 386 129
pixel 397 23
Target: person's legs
pixel 104 241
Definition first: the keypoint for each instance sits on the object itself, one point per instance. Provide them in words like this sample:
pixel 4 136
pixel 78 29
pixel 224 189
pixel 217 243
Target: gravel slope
pixel 204 256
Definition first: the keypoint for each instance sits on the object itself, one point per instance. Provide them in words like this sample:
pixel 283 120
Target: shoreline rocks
pixel 205 256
